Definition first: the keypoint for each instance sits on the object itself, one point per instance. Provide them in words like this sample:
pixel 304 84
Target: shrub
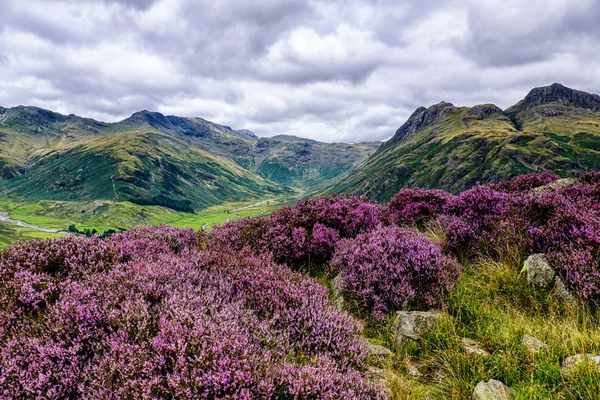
pixel 304 234
pixel 391 268
pixel 152 313
pixel 415 206
pixel 525 182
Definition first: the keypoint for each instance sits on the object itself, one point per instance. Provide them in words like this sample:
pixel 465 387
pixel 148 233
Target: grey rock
pixel 573 361
pixel 380 380
pixel 379 351
pixel 538 271
pixel 491 390
pixel 533 344
pixel 473 347
pixel 337 285
pixel 413 324
pixel 561 291
pixel 413 371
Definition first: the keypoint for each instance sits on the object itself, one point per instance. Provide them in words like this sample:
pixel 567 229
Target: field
pixel 102 216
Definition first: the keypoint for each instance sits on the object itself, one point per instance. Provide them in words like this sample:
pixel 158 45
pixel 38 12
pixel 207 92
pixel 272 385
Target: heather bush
pixel 415 206
pixel 304 234
pixel 482 221
pixel 525 182
pixel 94 319
pixel 392 268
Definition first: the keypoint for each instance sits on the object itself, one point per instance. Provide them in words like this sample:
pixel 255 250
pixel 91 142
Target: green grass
pixel 494 305
pixel 103 215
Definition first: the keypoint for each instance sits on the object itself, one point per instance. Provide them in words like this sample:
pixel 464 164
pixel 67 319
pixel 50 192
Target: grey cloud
pixel 526 37
pixel 348 70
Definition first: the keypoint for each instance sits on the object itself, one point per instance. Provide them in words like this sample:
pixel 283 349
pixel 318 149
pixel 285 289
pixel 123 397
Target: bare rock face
pixel 413 324
pixel 538 270
pixel 473 347
pixel 491 390
pixel 421 118
pixel 533 344
pixel 573 361
pixel 483 111
pixel 560 94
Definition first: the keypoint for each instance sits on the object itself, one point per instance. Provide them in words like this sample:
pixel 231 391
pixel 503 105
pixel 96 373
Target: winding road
pixel 5 218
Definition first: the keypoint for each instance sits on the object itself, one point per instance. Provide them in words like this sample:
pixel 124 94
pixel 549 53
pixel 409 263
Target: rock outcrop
pixel 421 118
pixel 534 345
pixel 559 94
pixel 473 347
pixel 413 324
pixel 539 272
pixel 492 390
pixel 483 111
pixel 571 362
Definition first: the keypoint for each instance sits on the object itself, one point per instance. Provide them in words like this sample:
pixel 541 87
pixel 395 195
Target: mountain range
pixel 188 164
pixel 554 128
pixel 153 159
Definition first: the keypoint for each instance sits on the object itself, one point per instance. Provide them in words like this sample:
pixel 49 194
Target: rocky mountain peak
pixel 483 111
pixel 421 118
pixel 557 93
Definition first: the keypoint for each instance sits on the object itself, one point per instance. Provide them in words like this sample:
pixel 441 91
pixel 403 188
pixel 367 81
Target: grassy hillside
pixel 184 164
pixel 453 148
pixel 146 167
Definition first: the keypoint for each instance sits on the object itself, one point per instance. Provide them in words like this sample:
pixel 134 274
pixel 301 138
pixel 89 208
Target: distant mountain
pixel 553 128
pixel 150 158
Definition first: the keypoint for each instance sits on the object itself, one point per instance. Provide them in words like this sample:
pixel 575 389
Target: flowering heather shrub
pixel 524 183
pixel 304 234
pixel 482 220
pixel 579 268
pixel 245 232
pixel 415 206
pixel 391 267
pixel 92 319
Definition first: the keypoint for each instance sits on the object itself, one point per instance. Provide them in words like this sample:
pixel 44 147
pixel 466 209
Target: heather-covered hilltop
pixel 432 295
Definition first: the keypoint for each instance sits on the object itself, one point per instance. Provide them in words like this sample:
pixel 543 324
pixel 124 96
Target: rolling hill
pixel 553 128
pixel 152 159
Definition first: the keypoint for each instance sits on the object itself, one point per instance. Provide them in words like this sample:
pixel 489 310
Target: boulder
pixel 578 359
pixel 538 271
pixel 491 390
pixel 413 324
pixel 380 380
pixel 561 291
pixel 379 351
pixel 413 371
pixel 473 347
pixel 533 344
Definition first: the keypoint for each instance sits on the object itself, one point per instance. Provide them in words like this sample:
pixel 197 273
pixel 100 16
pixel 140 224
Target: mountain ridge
pixel 443 146
pixel 183 163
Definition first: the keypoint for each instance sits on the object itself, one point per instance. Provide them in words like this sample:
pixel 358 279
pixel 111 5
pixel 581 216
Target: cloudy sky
pixel 332 70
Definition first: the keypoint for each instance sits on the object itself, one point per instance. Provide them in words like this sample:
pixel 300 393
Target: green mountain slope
pixel 554 128
pixel 149 158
